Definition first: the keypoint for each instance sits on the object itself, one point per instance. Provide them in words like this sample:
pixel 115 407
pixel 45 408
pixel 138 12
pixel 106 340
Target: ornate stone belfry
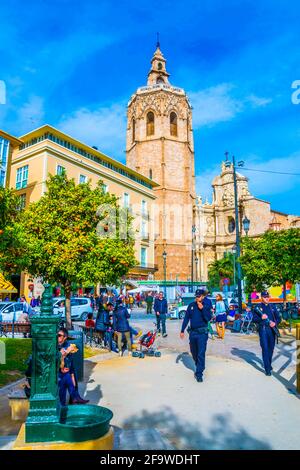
pixel 159 144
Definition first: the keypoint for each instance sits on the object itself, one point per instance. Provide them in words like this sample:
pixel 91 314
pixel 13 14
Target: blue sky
pixel 75 64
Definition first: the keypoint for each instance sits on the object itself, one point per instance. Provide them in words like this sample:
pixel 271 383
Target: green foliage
pixel 219 269
pixel 9 214
pixel 271 259
pixel 18 351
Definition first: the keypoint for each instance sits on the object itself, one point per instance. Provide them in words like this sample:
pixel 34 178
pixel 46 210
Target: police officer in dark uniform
pixel 198 314
pixel 267 318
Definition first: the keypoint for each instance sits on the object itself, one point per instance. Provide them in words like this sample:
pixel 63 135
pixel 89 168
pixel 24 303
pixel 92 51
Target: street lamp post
pixel 165 272
pixel 246 225
pixel 193 251
pixel 237 229
pixel 233 251
pixel 196 261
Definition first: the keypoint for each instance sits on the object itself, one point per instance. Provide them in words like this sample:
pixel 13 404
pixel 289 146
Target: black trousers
pixel 267 343
pixel 161 320
pixel 198 343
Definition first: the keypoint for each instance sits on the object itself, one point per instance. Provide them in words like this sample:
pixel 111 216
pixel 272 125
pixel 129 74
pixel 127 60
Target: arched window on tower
pixel 150 123
pixel 133 130
pixel 150 173
pixel 173 124
pixel 160 80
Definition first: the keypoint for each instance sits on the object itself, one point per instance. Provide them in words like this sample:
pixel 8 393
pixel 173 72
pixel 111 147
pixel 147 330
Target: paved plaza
pixel 157 403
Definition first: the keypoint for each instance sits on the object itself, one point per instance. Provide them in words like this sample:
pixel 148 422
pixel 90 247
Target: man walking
pixel 149 302
pixel 198 314
pixel 161 310
pixel 267 318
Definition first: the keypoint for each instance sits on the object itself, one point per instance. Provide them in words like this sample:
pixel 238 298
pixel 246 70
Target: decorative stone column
pixel 44 411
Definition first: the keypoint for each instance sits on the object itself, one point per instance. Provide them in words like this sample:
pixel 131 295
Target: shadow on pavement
pixel 249 357
pixel 186 360
pixel 222 434
pixel 95 394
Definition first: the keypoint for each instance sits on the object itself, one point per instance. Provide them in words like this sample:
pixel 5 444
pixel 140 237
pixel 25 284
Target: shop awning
pixel 6 287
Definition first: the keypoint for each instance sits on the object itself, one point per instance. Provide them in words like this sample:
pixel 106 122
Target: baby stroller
pixel 146 343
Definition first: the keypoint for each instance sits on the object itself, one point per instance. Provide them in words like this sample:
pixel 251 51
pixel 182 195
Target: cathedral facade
pixel 189 234
pixel 215 222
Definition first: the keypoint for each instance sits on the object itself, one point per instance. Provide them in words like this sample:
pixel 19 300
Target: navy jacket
pixel 120 319
pixel 198 318
pixel 161 306
pixel 269 310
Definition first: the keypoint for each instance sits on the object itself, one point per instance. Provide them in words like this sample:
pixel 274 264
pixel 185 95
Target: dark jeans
pixel 267 342
pixel 65 383
pixel 149 307
pixel 161 319
pixel 108 339
pixel 198 343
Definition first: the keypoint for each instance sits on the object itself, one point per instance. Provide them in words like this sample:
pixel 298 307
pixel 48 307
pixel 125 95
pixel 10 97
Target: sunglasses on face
pixel 60 334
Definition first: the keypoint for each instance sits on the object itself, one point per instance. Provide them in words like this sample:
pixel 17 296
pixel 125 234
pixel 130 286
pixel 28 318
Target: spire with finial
pixel 158 73
pixel 157 43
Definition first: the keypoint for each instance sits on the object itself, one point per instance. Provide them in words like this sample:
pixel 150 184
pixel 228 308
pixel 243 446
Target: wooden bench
pixel 14 327
pixel 19 405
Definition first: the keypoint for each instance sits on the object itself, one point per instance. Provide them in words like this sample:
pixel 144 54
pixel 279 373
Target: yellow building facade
pixel 47 151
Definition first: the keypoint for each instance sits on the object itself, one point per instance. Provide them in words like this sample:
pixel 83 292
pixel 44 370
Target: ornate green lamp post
pixel 44 412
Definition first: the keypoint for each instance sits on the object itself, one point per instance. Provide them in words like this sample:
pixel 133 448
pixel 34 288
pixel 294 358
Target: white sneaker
pixel 120 354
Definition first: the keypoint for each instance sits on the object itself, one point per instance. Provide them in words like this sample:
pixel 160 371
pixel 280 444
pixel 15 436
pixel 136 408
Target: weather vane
pixel 157 44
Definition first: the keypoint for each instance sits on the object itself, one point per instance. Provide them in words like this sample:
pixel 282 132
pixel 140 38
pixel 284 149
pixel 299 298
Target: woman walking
pixel 221 316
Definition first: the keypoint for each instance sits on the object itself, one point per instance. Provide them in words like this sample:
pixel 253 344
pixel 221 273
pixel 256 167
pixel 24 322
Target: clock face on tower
pixel 159 65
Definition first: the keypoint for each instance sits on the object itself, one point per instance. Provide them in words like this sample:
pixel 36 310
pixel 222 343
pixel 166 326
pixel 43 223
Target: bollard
pixel 298 356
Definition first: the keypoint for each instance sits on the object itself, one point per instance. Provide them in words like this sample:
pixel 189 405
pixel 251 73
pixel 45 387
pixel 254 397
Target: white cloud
pixel 218 104
pixel 104 127
pixel 261 184
pixel 213 105
pixel 30 115
pixel 257 101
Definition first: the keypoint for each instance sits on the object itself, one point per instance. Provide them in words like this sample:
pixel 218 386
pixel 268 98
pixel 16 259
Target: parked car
pixel 80 307
pixel 177 313
pixel 11 310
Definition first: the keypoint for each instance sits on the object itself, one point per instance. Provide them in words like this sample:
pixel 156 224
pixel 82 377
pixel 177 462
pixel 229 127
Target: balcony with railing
pixel 145 237
pixel 144 267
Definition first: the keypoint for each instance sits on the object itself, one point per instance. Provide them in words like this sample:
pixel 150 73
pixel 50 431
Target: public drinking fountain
pixel 50 425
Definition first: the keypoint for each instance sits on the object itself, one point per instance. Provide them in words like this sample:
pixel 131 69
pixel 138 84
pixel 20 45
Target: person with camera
pixel 66 375
pixel 198 315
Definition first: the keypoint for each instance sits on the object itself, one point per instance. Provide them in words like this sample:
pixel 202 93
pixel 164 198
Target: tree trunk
pixel 67 288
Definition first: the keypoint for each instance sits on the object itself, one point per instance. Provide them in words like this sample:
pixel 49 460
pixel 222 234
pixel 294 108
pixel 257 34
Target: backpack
pixel 237 325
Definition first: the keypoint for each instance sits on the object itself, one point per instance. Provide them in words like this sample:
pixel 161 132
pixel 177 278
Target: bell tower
pixel 159 144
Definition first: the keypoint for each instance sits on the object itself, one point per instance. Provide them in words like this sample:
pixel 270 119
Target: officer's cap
pixel 265 293
pixel 200 292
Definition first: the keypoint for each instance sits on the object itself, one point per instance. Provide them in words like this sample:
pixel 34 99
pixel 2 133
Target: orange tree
pixel 9 246
pixel 75 234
